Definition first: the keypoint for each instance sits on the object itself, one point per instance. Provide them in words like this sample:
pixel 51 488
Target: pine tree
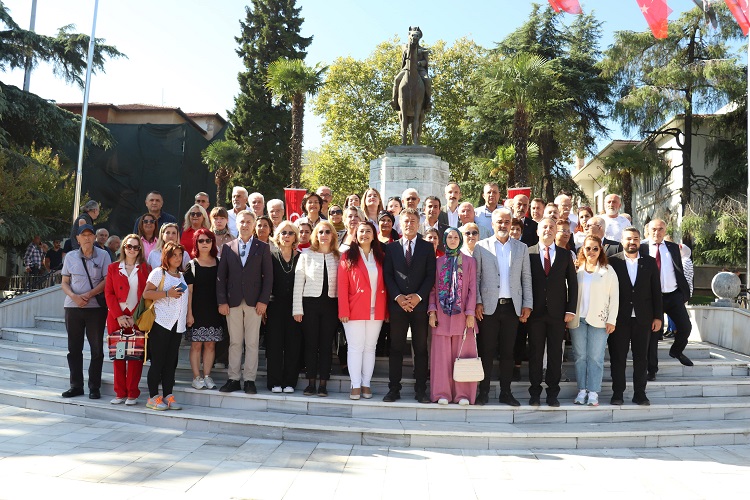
pixel 271 30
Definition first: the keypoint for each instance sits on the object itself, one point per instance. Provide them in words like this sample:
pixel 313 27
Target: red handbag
pixel 128 344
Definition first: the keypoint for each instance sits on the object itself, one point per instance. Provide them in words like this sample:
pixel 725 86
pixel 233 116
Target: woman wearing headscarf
pixel 451 314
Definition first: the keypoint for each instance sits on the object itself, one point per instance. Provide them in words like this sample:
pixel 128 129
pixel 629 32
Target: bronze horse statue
pixel 411 92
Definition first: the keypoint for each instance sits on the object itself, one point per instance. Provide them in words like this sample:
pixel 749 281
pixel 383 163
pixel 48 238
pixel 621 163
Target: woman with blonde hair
pixel 315 304
pixel 168 232
pixel 470 233
pixel 195 218
pixel 373 205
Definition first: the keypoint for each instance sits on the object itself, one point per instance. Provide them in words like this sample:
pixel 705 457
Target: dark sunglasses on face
pixel 336 212
pixel 287 233
pixel 202 241
pixel 149 221
pixel 471 233
pixel 135 248
pixel 195 214
pixel 324 231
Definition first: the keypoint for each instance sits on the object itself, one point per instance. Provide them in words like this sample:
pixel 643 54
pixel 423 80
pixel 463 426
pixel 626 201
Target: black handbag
pixel 99 296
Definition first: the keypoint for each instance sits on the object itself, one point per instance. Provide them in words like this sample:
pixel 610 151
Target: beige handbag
pixel 468 369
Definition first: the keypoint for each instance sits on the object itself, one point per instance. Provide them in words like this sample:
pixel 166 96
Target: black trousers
pixel 318 328
pixel 401 321
pixel 674 306
pixel 496 329
pixel 283 344
pixel 548 331
pixel 164 347
pixel 519 350
pixel 85 323
pixel 629 335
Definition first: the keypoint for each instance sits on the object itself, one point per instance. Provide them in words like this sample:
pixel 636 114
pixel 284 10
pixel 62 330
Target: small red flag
pixel 739 9
pixel 569 6
pixel 656 13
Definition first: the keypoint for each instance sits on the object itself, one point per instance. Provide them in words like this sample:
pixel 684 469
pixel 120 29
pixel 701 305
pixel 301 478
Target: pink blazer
pixel 355 293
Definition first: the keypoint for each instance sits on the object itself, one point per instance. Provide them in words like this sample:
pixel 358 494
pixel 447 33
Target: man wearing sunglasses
pixel 243 290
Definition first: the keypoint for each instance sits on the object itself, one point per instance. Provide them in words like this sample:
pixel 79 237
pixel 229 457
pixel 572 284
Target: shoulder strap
pixel 91 283
pixel 161 284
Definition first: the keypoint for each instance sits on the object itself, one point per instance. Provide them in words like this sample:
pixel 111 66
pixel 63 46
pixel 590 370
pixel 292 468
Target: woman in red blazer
pixel 362 305
pixel 126 280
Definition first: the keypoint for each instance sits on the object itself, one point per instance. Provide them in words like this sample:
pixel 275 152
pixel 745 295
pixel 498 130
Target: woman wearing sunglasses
pixel 283 334
pixel 195 218
pixel 126 280
pixel 315 304
pixel 336 216
pixel 205 324
pixel 148 234
pixel 470 233
pixel 168 232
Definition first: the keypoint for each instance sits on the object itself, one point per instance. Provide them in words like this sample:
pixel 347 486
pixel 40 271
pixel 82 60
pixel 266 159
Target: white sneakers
pixel 593 399
pixel 117 401
pixel 209 382
pixel 442 401
pixel 199 383
pixel 131 402
pixel 463 402
pixel 288 389
pixel 276 389
pixel 581 398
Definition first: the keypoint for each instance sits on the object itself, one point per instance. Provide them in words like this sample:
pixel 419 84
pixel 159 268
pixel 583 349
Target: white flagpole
pixel 29 60
pixel 84 113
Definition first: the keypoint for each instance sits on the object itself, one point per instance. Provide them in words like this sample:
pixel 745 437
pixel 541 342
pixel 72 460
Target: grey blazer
pixel 488 275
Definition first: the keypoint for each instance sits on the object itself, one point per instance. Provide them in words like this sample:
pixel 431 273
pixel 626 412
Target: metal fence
pixel 21 283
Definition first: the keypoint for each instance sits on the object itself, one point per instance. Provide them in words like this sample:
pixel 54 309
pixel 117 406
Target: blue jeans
pixel 588 349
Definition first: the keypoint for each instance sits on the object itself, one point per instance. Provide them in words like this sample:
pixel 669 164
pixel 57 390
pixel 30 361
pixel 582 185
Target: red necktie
pixel 547 262
pixel 408 254
pixel 658 257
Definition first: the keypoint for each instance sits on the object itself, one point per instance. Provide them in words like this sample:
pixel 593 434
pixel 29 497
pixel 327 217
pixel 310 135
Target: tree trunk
pixel 520 144
pixel 546 146
pixel 221 177
pixel 627 193
pixel 687 148
pixel 298 111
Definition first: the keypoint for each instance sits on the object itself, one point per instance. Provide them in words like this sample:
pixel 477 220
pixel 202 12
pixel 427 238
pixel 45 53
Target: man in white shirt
pixel 449 213
pixel 614 222
pixel 432 219
pixel 483 214
pixel 239 203
pixel 466 214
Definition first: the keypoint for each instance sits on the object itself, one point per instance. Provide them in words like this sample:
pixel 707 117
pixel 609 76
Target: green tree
pixel 271 30
pixel 291 80
pixel 336 167
pixel 222 158
pixel 719 234
pixel 694 69
pixel 624 166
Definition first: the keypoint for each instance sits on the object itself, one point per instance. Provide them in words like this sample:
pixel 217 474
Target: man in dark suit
pixel 449 213
pixel 555 289
pixel 675 293
pixel 595 226
pixel 432 219
pixel 640 313
pixel 243 290
pixel 409 273
pixel 520 206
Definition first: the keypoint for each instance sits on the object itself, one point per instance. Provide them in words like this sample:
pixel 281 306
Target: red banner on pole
pixel 656 13
pixel 293 203
pixel 569 6
pixel 739 10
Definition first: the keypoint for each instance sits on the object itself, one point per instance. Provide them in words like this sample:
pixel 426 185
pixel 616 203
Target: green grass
pixel 701 300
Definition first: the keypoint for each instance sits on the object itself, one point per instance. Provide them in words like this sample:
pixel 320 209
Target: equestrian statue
pixel 412 88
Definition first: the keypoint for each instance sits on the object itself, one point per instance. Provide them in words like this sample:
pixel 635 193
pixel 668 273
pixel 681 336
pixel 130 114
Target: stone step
pixel 50 322
pixel 468 431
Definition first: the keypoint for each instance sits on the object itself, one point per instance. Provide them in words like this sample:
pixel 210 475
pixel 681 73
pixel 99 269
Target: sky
pixel 182 53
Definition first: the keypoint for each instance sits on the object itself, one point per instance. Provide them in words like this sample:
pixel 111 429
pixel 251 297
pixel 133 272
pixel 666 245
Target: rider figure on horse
pixel 422 63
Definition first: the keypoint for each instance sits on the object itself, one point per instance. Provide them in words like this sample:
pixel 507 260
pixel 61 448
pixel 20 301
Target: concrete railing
pixel 20 311
pixel 724 326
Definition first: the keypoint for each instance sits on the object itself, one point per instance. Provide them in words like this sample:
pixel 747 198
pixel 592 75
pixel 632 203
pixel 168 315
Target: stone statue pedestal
pixel 404 167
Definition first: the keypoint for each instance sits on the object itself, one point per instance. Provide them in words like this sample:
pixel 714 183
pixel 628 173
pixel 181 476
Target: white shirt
pixel 411 243
pixel 372 271
pixel 452 217
pixel 614 226
pixel 170 310
pixel 632 265
pixel 551 254
pixel 503 254
pixel 132 300
pixel 246 247
pixel 668 278
pixel 573 223
pixel 232 221
pixel 154 259
pixel 585 293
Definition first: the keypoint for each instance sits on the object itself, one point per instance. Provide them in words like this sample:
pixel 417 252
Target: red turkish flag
pixel 293 198
pixel 656 13
pixel 739 9
pixel 569 6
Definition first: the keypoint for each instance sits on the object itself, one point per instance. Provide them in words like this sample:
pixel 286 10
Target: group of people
pixel 464 282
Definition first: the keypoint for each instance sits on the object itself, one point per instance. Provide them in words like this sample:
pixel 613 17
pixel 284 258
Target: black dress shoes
pixel 553 402
pixel 651 377
pixel 682 358
pixel 230 386
pixel 95 394
pixel 249 387
pixel 641 400
pixel 392 396
pixel 482 399
pixel 507 398
pixel 310 390
pixel 73 392
pixel 422 397
pixel 617 399
pixel 535 401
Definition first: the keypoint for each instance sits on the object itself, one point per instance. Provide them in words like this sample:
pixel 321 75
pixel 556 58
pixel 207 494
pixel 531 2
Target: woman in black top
pixel 283 334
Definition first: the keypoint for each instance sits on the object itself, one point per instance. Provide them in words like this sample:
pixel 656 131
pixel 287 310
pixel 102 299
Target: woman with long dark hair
pixel 148 233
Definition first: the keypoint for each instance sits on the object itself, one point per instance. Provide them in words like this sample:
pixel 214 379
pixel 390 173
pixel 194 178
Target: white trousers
pixel 361 338
pixel 244 326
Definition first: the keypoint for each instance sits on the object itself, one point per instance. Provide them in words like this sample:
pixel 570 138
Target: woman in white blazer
pixel 598 301
pixel 314 304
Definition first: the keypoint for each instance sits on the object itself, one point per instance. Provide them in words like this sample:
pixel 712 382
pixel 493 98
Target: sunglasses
pixel 471 233
pixel 149 221
pixel 134 248
pixel 324 231
pixel 592 249
pixel 336 212
pixel 287 233
pixel 196 214
pixel 202 240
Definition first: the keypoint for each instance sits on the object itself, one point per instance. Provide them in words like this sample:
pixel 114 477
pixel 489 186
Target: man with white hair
pixel 257 204
pixel 410 199
pixel 239 203
pixel 275 209
pixel 326 195
pixel 466 214
pixel 615 222
pixel 520 207
pixel 565 204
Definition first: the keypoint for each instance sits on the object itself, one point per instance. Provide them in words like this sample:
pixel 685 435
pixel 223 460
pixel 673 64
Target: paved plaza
pixel 43 455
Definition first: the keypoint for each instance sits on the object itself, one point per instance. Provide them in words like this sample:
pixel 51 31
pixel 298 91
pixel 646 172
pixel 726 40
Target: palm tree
pixel 291 80
pixel 521 83
pixel 222 158
pixel 623 166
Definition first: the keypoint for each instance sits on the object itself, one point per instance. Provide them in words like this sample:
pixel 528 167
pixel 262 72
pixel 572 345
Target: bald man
pixel 520 207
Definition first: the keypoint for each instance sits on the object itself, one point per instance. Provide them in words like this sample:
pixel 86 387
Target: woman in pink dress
pixel 451 310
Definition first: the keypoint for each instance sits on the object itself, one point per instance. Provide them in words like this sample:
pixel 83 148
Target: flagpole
pixel 747 268
pixel 84 113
